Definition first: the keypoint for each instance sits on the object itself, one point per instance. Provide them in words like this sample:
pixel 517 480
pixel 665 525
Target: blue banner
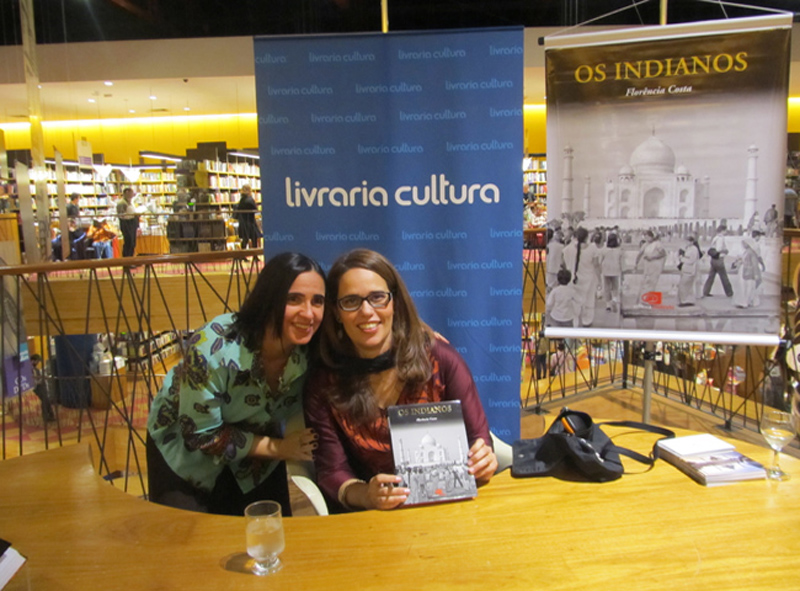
pixel 409 144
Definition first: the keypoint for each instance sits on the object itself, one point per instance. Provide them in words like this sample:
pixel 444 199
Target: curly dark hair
pixel 265 306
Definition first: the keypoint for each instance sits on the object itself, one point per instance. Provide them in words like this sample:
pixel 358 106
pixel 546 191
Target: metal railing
pixel 140 309
pixel 107 332
pixel 731 382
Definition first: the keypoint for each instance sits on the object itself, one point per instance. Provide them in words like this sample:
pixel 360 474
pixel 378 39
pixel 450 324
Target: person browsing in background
pixel 128 222
pixel 375 352
pixel 73 207
pixel 246 216
pixel 215 440
pixel 558 360
pixel 101 235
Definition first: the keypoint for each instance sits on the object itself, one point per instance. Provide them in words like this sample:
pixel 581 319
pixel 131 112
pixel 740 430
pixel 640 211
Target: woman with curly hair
pixel 375 352
pixel 215 432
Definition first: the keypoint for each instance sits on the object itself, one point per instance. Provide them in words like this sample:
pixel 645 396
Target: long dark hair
pixel 351 393
pixel 264 308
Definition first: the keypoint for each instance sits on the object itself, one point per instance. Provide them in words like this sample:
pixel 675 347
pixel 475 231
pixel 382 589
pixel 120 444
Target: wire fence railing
pixel 105 332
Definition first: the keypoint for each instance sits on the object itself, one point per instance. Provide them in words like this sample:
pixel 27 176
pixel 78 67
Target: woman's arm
pixel 459 385
pixel 330 458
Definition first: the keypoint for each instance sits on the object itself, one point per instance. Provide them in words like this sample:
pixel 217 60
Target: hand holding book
pixel 482 461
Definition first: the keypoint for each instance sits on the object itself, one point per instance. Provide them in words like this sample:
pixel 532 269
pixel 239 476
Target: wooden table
pixel 649 531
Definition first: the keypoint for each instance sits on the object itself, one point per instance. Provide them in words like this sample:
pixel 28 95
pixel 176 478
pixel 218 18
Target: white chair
pixel 504 453
pixel 302 474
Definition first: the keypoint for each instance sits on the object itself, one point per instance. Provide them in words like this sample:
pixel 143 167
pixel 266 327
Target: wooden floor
pixel 616 404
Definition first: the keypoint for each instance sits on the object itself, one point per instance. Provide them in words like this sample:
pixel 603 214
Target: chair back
pixel 504 453
pixel 302 474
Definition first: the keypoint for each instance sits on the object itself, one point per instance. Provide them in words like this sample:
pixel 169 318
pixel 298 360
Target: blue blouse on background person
pixel 215 401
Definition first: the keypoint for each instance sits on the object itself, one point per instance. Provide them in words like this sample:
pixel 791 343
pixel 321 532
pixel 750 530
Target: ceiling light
pixel 66 162
pixel 186 109
pixel 160 156
pixel 245 155
pixel 91 100
pixel 153 97
pixel 108 83
pixel 131 110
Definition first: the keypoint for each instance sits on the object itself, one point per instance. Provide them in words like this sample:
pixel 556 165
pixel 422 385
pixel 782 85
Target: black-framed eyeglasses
pixel 376 299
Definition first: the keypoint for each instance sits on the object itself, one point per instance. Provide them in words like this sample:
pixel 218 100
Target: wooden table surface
pixel 653 530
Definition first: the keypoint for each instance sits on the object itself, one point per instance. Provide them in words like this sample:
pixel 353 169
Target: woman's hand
pixel 482 461
pixel 384 492
pixel 298 446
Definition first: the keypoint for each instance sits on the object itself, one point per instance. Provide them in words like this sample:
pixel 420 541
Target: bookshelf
pixel 99 187
pixel 534 174
pixel 534 179
pixel 225 178
pixel 211 174
pixel 144 349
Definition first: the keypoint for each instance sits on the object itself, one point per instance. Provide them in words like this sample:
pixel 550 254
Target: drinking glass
pixel 264 536
pixel 778 428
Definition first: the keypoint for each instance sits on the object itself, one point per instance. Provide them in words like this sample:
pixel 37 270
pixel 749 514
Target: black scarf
pixel 349 365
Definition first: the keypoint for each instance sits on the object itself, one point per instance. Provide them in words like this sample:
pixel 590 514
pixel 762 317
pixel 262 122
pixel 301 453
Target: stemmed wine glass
pixel 778 428
pixel 265 539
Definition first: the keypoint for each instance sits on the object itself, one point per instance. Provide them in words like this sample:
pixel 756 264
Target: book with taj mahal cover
pixel 429 444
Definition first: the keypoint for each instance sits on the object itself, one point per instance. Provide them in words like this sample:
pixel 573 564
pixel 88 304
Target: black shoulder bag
pixel 574 445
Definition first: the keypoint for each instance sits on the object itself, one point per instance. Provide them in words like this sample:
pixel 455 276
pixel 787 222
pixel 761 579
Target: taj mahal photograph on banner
pixel 666 214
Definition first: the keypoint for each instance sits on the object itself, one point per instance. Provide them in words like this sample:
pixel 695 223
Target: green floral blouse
pixel 215 401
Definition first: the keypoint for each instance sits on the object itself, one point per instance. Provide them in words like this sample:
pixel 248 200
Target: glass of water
pixel 264 536
pixel 778 428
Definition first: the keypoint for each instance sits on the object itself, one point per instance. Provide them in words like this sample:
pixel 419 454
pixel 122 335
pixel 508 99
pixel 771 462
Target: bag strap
pixel 647 460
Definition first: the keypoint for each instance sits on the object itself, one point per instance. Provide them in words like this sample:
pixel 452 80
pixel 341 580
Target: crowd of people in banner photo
pixel 682 268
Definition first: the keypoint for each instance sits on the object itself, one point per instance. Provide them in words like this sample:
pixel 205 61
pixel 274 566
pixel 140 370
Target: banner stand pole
pixel 384 16
pixel 647 386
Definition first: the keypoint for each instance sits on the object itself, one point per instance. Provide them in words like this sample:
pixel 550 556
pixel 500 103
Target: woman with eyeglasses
pixel 375 352
pixel 215 439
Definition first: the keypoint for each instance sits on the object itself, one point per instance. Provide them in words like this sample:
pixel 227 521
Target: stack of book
pixel 10 562
pixel 709 460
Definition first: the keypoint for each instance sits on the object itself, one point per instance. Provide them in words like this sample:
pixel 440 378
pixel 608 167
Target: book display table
pixel 652 530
